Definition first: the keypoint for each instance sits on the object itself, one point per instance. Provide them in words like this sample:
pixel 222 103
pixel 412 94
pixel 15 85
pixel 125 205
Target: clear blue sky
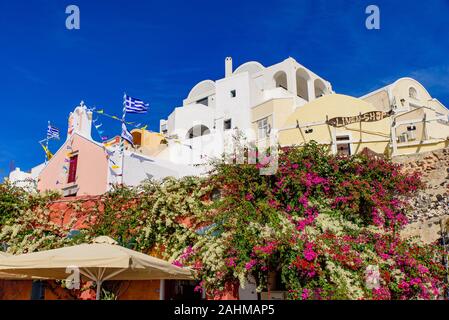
pixel 157 50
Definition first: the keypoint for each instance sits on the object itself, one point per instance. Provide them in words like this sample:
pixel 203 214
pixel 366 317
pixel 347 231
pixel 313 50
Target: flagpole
pixel 122 141
pixel 46 144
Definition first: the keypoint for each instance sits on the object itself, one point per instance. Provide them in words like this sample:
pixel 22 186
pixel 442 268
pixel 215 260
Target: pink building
pixel 83 166
pixel 80 167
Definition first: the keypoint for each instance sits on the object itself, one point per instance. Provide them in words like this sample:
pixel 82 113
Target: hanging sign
pixel 371 116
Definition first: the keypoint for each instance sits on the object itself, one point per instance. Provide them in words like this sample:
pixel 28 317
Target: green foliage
pixel 13 200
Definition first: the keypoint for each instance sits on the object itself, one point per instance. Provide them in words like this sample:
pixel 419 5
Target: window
pixel 343 147
pixel 263 128
pixel 411 135
pixel 309 130
pixel 227 124
pixel 233 94
pixel 412 93
pixel 72 169
pixel 164 129
pixel 411 132
pixel 402 138
pixel 37 290
pixel 204 101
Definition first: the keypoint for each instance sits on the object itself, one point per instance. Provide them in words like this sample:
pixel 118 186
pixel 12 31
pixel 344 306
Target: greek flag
pixel 126 135
pixel 52 132
pixel 133 105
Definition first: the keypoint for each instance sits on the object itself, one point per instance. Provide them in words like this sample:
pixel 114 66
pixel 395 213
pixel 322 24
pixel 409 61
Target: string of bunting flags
pixel 98 124
pixel 128 100
pixel 130 105
pixel 66 164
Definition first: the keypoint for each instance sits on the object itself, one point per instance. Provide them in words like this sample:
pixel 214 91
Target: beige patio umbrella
pixel 99 261
pixel 9 276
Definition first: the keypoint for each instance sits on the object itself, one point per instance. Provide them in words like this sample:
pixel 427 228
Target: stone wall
pixel 428 231
pixel 433 201
pixel 430 205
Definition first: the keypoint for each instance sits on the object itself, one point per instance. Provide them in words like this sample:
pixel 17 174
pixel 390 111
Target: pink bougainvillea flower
pixel 177 263
pixel 199 287
pixel 415 281
pixel 267 249
pixel 384 256
pixel 309 254
pixel 230 262
pixel 250 264
pixel 305 294
pixel 422 269
pixel 304 201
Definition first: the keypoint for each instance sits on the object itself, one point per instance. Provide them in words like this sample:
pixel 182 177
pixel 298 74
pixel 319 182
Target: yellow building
pixel 420 122
pixel 145 142
pixel 401 118
pixel 331 120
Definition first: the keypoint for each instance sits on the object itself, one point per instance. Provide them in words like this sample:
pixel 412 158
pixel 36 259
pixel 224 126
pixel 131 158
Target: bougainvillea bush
pixel 321 222
pixel 328 227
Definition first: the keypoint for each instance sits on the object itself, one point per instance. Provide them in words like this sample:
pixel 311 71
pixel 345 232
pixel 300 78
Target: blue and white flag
pixel 52 132
pixel 133 105
pixel 126 135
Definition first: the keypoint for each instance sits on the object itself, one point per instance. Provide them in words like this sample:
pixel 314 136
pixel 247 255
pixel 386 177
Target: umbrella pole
pixel 99 282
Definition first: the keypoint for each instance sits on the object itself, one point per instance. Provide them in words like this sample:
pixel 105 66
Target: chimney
pixel 228 67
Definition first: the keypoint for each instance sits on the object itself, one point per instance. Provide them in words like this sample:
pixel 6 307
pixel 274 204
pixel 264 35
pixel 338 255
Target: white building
pixel 26 180
pixel 212 108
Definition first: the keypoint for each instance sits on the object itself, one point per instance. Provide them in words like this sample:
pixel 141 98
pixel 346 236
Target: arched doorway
pixel 137 138
pixel 302 79
pixel 197 131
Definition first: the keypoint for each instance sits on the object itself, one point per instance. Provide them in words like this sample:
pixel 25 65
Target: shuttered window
pixel 263 128
pixel 72 169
